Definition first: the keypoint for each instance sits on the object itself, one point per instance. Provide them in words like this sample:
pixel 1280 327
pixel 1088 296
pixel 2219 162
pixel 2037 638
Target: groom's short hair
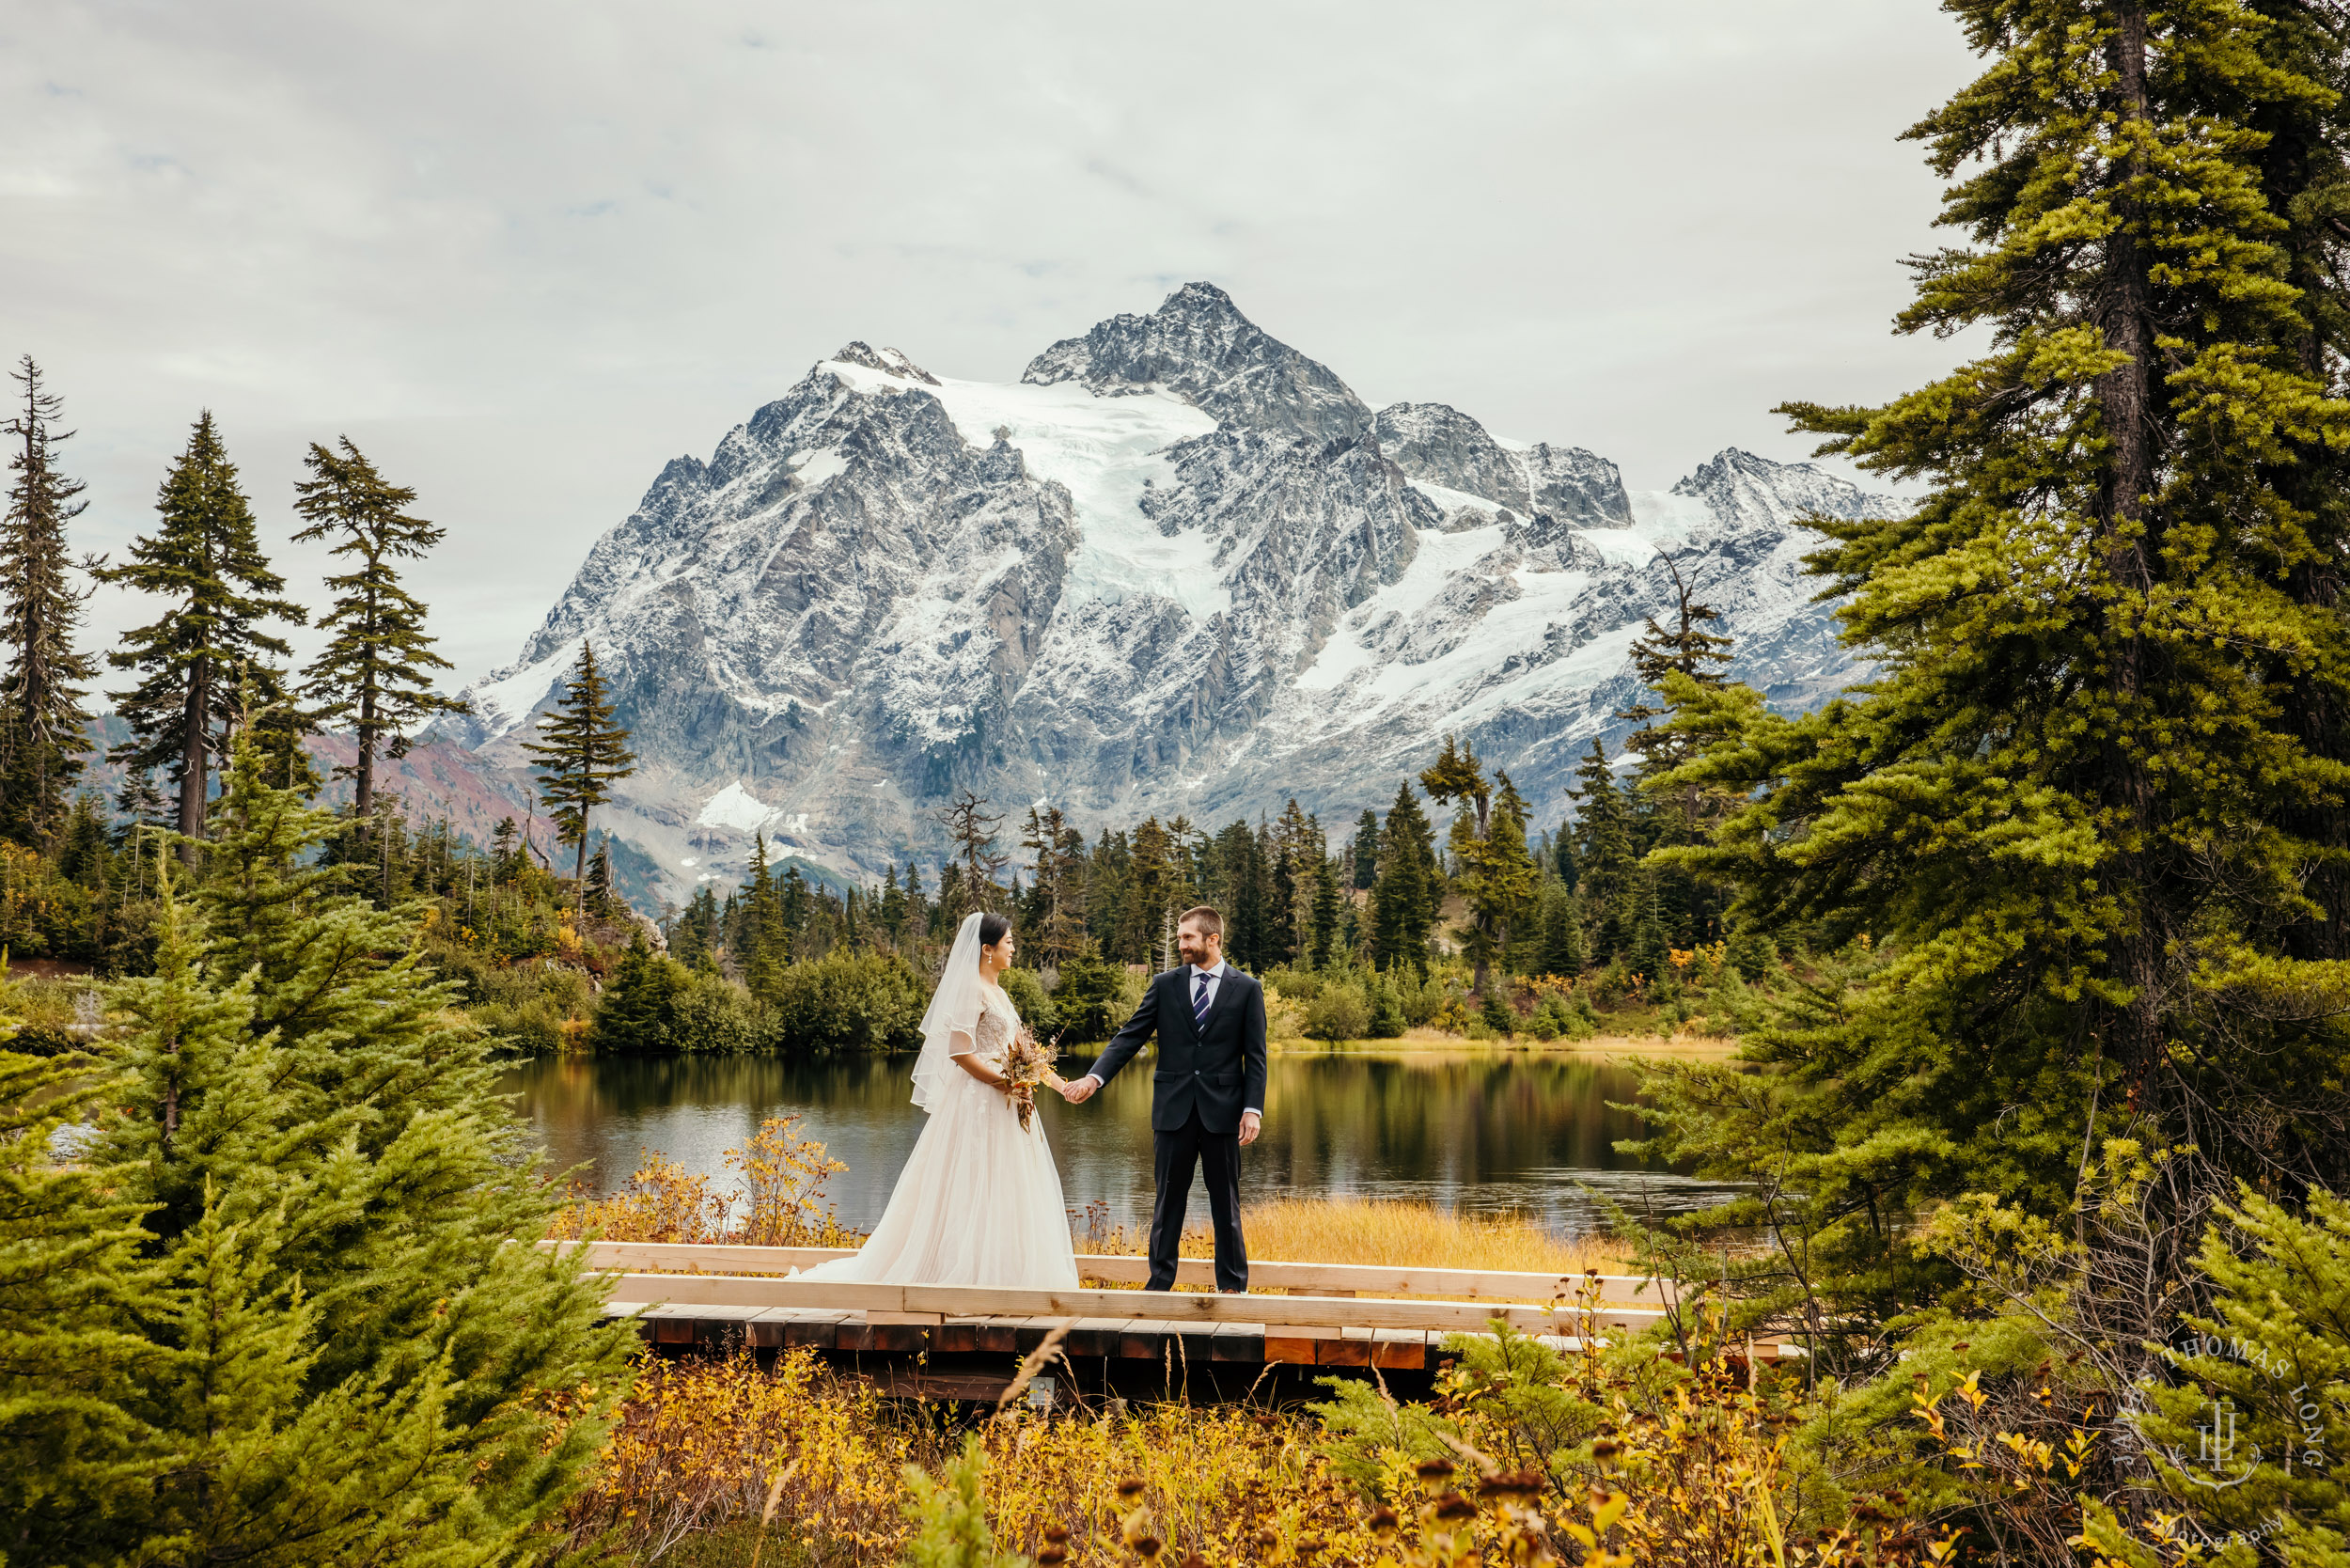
pixel 1205 918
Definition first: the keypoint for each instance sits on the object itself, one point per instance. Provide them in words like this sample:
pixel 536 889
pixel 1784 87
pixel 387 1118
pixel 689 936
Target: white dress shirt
pixel 1213 978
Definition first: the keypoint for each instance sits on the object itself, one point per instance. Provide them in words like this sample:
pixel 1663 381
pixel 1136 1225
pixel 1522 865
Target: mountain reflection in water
pixel 1485 1131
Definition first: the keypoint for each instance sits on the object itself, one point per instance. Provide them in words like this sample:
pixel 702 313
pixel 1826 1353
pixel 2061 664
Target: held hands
pixel 1077 1093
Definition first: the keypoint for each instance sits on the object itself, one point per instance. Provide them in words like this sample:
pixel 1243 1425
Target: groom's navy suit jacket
pixel 1218 1066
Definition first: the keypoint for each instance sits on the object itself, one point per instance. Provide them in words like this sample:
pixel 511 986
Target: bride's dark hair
pixel 991 929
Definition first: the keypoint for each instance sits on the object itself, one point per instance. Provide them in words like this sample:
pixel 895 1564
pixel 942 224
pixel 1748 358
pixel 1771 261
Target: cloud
pixel 523 254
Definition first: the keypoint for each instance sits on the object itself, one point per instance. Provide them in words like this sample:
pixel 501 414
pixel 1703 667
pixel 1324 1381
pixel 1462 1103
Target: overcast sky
pixel 523 253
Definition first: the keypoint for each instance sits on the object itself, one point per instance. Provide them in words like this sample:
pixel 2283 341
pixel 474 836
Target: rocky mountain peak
pixel 889 362
pixel 1177 568
pixel 1198 346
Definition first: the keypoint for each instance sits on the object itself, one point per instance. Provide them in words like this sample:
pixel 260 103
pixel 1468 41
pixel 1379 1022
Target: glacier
pixel 1178 566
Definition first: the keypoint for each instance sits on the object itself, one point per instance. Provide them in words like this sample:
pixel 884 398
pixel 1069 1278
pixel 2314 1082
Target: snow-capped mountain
pixel 1178 566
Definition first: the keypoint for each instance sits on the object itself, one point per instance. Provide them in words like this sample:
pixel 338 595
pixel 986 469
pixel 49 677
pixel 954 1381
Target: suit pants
pixel 1173 1155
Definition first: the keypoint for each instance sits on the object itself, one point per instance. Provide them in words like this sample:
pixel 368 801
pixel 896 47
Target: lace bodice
pixel 999 1022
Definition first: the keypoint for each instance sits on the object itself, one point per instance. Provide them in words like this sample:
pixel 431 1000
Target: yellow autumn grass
pixel 1407 1234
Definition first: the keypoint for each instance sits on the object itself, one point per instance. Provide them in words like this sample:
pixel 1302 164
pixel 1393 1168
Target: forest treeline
pixel 1398 924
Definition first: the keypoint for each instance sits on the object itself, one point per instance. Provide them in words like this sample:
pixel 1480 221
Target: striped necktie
pixel 1200 999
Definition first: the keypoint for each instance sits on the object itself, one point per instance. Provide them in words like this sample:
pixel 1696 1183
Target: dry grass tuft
pixel 1418 1235
pixel 1375 1232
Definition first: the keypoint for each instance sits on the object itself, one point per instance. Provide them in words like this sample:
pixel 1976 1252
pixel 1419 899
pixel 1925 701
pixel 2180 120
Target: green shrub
pixel 1085 1002
pixel 1340 1012
pixel 1386 1009
pixel 1036 1008
pixel 1496 1012
pixel 1421 996
pixel 846 1004
pixel 714 1014
pixel 1299 985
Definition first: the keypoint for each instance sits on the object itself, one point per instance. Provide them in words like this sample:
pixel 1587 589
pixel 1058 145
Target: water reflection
pixel 1480 1131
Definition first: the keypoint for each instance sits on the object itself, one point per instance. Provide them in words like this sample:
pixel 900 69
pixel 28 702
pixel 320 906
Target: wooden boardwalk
pixel 1322 1315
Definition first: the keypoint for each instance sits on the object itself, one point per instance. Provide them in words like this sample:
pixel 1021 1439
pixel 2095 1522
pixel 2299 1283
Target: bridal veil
pixel 954 1009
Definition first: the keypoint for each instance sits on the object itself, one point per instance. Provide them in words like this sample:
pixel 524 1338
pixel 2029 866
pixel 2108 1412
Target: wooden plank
pixel 897 1338
pixel 1243 1343
pixel 816 1330
pixel 1323 1279
pixel 1167 1306
pixel 925 1320
pixel 1095 1336
pixel 1142 1340
pixel 1401 1349
pixel 997 1336
pixel 956 1335
pixel 1289 1347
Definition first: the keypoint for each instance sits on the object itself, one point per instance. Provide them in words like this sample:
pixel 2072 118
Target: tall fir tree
pixel 43 723
pixel 1496 876
pixel 1328 902
pixel 580 755
pixel 1562 952
pixel 2089 809
pixel 1603 853
pixel 204 561
pixel 1404 900
pixel 1366 866
pixel 971 826
pixel 375 675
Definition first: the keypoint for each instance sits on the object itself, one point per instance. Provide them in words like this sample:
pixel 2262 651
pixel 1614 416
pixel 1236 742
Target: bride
pixel 978 1201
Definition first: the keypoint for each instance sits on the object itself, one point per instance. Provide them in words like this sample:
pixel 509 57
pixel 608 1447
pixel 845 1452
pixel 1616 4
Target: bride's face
pixel 998 958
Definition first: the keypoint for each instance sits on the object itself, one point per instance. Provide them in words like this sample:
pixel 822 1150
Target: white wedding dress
pixel 978 1201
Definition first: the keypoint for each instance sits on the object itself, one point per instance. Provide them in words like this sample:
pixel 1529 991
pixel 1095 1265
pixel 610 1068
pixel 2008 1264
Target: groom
pixel 1207 1097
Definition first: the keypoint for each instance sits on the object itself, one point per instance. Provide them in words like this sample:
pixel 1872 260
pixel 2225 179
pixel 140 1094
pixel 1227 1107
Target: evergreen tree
pixel 1562 950
pixel 138 804
pixel 636 1010
pixel 72 1364
pixel 603 900
pixel 204 561
pixel 1688 650
pixel 1386 1009
pixel 972 827
pixel 375 673
pixel 83 853
pixel 582 754
pixel 351 1344
pixel 1086 997
pixel 694 934
pixel 42 720
pixel 1497 878
pixel 1326 911
pixel 1366 851
pixel 1603 853
pixel 2088 802
pixel 762 947
pixel 1404 902
pixel 1155 889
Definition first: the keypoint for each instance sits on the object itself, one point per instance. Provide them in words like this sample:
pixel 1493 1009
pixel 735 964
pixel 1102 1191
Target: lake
pixel 1491 1131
